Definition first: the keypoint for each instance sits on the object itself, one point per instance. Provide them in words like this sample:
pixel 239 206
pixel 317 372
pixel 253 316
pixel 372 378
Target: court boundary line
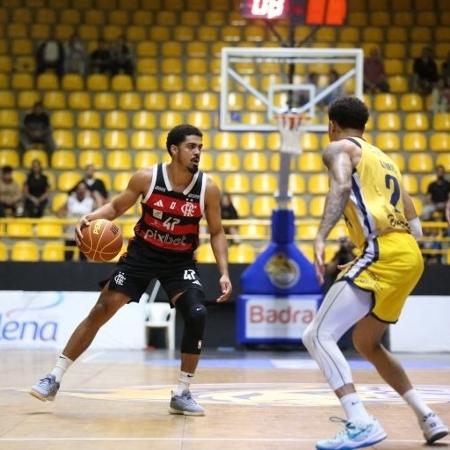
pixel 186 439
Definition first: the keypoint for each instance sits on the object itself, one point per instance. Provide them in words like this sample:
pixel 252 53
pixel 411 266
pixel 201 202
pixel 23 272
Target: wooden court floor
pixel 119 399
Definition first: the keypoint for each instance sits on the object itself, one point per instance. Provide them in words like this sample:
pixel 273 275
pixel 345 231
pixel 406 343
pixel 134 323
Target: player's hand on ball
pixel 82 223
pixel 225 285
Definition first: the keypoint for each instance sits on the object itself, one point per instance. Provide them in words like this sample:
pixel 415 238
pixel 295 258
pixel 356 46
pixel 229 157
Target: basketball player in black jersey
pixel 173 198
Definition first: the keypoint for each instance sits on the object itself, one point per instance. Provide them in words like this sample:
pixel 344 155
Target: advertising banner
pixel 46 320
pixel 271 319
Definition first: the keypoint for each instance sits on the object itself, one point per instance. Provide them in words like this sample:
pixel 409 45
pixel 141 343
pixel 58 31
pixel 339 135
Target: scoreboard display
pixel 301 12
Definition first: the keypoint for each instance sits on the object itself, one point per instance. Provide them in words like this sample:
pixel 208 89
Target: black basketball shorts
pixel 140 265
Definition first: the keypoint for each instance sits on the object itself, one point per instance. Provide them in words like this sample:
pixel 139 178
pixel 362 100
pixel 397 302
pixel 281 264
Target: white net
pixel 291 127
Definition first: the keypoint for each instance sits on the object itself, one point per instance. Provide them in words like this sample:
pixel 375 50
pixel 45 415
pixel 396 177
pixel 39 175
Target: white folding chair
pixel 160 315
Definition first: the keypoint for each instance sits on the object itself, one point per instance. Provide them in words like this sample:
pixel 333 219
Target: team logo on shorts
pixel 120 279
pixel 189 274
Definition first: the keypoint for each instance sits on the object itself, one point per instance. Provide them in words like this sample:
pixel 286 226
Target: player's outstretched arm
pixel 339 164
pixel 137 186
pixel 218 238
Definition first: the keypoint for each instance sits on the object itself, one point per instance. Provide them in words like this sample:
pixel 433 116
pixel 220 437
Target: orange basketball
pixel 102 240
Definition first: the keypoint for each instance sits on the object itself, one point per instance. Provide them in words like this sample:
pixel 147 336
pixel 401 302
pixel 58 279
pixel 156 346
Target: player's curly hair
pixel 178 134
pixel 349 112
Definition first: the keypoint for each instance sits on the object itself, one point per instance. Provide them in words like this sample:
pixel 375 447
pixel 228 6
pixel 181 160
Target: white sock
pixel 354 409
pixel 413 398
pixel 184 380
pixel 62 364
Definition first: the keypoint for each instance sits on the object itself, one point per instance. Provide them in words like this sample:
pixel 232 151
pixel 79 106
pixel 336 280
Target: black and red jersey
pixel 170 220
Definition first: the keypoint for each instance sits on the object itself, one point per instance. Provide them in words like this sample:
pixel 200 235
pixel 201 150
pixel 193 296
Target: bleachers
pixel 120 125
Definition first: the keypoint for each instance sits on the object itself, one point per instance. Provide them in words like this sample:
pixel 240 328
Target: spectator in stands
pixel 100 59
pixel 36 190
pixel 75 56
pixel 438 193
pixel 122 59
pixel 441 96
pixel 344 254
pixel 445 74
pixel 228 212
pixel 374 75
pixel 425 72
pixel 338 92
pixel 50 55
pixel 302 97
pixel 11 199
pixel 95 185
pixel 36 129
pixel 78 204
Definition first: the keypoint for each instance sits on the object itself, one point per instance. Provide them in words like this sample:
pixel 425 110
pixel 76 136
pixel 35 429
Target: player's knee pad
pixel 190 306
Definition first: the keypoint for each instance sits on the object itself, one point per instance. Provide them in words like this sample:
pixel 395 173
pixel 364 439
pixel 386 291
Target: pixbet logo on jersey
pixel 164 238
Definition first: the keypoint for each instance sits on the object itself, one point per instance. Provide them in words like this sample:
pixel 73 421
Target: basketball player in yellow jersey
pixel 365 187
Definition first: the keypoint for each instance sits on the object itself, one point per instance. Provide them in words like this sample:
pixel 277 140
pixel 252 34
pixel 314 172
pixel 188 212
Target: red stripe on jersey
pixel 190 228
pixel 172 205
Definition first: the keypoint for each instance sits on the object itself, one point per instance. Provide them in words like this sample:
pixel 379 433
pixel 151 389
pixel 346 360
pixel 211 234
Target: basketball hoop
pixel 290 127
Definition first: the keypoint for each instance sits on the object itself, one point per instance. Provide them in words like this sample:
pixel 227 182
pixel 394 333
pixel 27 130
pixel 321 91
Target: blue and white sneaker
pixel 184 404
pixel 46 388
pixel 354 436
pixel 433 428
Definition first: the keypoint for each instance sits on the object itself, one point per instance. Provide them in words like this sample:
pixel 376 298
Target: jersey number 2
pixel 395 197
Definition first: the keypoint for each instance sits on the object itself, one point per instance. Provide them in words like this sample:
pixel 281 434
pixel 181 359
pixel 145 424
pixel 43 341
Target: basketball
pixel 102 240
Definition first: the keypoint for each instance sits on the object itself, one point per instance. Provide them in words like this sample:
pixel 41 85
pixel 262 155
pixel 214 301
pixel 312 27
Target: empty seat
pixel 441 122
pixel 144 120
pixel 146 83
pixel 263 205
pixel 318 184
pixel 414 142
pixel 228 162
pixel 105 101
pixel 386 102
pixel 388 142
pixel 19 229
pixel 241 254
pixel 237 183
pixel 225 140
pixel 88 139
pixel 118 160
pixel 410 184
pixel 68 179
pixel 416 122
pixel 53 251
pixel 142 140
pixel 411 103
pixel 63 159
pixel 420 163
pixel 9 158
pixel 206 101
pixel 169 119
pixel 252 141
pixel 62 119
pixel 121 181
pixel 440 142
pixel 48 229
pixel 254 231
pixel 204 254
pixel 172 83
pixel 25 251
pixel 22 81
pixel 116 120
pixel 122 82
pixel 115 140
pixel 79 100
pixel 63 139
pixel 155 101
pixel 8 118
pixel 264 183
pixel 88 119
pixel 7 99
pixel 198 83
pixel 180 101
pixel 47 81
pixel 8 138
pixel 399 160
pixel 388 122
pixel 296 183
pixel 310 162
pixel 130 101
pixel 87 157
pixel 255 162
pixel 443 159
pixel 146 159
pixel 241 203
pixel 316 206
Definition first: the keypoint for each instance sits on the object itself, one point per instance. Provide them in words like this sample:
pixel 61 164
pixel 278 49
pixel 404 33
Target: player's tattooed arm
pixel 339 164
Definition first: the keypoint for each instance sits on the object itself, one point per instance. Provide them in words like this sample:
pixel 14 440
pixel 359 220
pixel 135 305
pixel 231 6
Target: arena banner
pixel 45 320
pixel 271 319
pixel 424 325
